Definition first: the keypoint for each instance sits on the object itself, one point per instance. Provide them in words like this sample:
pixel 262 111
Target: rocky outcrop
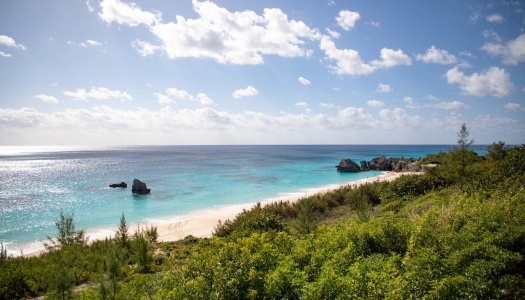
pixel 383 164
pixel 139 187
pixel 348 165
pixel 119 185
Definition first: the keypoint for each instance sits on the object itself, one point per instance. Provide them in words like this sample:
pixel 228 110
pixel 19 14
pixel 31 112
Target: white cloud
pixel 144 48
pixel 172 93
pixel 249 91
pixel 303 81
pixel 4 54
pixel 497 124
pixel 514 106
pixel 375 24
pixel 495 18
pixel 237 38
pixel 513 52
pixel 467 54
pixel 100 93
pixel 46 98
pixel 54 84
pixel 148 84
pixel 93 43
pixel 384 88
pixel 331 2
pixel 328 105
pixel 399 117
pixel 347 19
pixel 375 103
pixel 90 8
pixel 410 102
pixel 448 105
pixel 83 45
pixel 129 14
pixel 5 40
pixel 309 110
pixel 348 61
pixel 433 98
pixel 490 33
pixel 390 58
pixel 475 16
pixel 333 33
pixel 437 56
pixel 494 81
pixel 336 89
pixel 301 104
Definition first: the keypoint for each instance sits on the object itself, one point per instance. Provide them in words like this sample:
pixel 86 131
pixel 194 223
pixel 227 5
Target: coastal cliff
pixel 383 164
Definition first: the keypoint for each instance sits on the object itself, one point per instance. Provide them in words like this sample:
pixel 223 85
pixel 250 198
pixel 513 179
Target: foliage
pixel 121 236
pixel 306 219
pixel 67 235
pixel 496 151
pixel 141 255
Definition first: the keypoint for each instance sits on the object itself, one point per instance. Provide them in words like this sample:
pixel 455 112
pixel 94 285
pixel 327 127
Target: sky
pixel 192 72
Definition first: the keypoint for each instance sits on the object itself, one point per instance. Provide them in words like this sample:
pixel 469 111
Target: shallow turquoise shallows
pixel 38 182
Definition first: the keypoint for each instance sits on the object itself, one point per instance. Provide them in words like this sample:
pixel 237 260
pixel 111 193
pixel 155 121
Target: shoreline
pixel 201 223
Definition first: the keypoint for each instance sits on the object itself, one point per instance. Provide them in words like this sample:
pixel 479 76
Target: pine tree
pixel 306 219
pixel 463 143
pixel 67 235
pixel 122 233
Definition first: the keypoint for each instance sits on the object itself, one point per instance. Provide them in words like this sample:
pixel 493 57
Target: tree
pixel 141 253
pixel 122 233
pixel 306 220
pixel 496 151
pixel 109 288
pixel 463 143
pixel 67 235
pixel 62 278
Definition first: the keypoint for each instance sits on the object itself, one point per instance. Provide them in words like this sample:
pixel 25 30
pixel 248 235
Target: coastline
pixel 201 223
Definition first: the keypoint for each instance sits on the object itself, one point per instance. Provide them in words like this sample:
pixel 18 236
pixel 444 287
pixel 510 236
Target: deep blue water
pixel 38 182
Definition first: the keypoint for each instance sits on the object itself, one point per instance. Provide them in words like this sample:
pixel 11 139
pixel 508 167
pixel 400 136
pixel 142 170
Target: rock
pixel 381 164
pixel 364 165
pixel 348 165
pixel 139 187
pixel 120 185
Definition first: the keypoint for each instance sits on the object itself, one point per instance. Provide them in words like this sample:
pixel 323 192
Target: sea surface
pixel 38 182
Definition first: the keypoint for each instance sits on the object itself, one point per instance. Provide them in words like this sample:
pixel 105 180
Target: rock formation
pixel 348 165
pixel 383 164
pixel 120 185
pixel 139 187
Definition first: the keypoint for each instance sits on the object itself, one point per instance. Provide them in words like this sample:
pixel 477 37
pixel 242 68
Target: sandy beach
pixel 202 223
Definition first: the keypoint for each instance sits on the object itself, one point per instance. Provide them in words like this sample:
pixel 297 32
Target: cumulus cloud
pixel 467 54
pixel 54 84
pixel 494 82
pixel 348 61
pixel 145 48
pixel 374 103
pixel 333 33
pixel 384 88
pixel 401 118
pixel 514 106
pixel 331 2
pixel 490 33
pixel 375 24
pixel 301 104
pixel 90 8
pixel 100 93
pixel 46 98
pixel 328 105
pixel 410 102
pixel 347 19
pixel 4 54
pixel 10 42
pixel 93 43
pixel 433 98
pixel 512 52
pixel 437 56
pixel 497 124
pixel 227 37
pixel 303 81
pixel 448 105
pixel 249 91
pixel 495 18
pixel 172 93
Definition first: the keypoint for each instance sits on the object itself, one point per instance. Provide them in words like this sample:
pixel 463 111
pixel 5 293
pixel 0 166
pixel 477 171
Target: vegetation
pixel 431 236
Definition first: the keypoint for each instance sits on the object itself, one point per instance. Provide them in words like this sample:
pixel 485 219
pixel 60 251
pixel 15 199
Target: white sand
pixel 202 223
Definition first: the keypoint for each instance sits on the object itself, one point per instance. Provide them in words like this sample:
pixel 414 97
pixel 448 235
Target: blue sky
pixel 261 72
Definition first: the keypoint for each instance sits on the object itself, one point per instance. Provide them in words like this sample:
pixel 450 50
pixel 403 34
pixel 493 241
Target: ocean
pixel 38 182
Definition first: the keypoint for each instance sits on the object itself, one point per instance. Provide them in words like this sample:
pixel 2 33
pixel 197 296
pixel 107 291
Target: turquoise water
pixel 37 182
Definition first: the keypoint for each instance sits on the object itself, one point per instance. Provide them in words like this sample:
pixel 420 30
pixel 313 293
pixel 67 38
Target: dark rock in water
pixel 364 165
pixel 348 165
pixel 120 185
pixel 139 187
